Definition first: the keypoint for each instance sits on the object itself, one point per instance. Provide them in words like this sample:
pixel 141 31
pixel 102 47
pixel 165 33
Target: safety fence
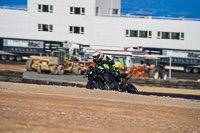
pixel 168 83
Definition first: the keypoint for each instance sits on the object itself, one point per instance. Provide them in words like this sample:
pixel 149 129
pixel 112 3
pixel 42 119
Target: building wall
pixel 106 6
pixel 108 32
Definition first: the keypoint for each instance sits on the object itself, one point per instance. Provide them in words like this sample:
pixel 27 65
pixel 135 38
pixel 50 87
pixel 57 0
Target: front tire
pixel 131 88
pixel 29 65
pixel 39 69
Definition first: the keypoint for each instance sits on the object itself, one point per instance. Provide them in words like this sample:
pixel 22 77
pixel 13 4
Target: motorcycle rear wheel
pixel 90 85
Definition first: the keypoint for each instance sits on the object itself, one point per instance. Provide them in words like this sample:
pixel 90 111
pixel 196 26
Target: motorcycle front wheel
pixel 131 89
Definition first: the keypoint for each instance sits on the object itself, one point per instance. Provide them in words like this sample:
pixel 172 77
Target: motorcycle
pixel 97 77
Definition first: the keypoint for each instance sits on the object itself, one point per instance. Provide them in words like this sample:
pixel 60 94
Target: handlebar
pixel 128 78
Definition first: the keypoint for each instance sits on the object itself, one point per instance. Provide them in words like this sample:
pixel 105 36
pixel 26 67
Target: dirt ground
pixel 12 67
pixel 49 109
pixel 58 109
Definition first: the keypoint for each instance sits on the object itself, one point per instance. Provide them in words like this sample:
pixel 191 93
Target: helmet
pixel 97 56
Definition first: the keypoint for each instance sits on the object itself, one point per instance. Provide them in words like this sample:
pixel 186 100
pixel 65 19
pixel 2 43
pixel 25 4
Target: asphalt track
pixel 175 73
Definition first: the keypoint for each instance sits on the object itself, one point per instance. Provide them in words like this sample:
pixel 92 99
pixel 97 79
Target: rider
pixel 106 62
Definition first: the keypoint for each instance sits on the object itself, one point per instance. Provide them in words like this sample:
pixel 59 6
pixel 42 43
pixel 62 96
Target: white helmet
pixel 97 56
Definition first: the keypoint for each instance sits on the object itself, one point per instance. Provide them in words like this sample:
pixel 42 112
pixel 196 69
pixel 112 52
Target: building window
pixel 77 10
pixel 127 33
pixel 39 27
pixel 45 8
pixel 143 34
pixel 76 30
pixel 170 35
pixel 115 11
pixel 45 27
pixel 165 35
pixel 150 34
pixel 182 36
pixel 39 8
pixel 175 35
pixel 133 33
pixel 159 35
pixel 140 34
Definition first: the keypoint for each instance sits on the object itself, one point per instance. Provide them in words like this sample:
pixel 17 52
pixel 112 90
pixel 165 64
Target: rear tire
pixel 61 70
pixel 90 85
pixel 163 75
pixel 3 57
pixel 154 73
pixel 77 70
pixel 195 70
pixel 54 70
pixel 11 57
pixel 188 69
pixel 19 58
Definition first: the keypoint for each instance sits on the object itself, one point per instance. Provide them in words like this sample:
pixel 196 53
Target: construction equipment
pixel 59 63
pixel 119 63
pixel 33 62
pixel 150 68
pixel 83 66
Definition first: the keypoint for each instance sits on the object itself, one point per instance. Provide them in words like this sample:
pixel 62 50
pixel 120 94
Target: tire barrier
pixel 11 74
pixel 168 83
pixel 17 77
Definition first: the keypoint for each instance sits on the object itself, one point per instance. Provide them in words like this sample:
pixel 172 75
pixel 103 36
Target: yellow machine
pixel 119 63
pixel 33 62
pixel 58 63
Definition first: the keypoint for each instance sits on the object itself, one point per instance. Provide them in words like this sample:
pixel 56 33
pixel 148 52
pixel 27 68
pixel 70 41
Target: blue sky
pixel 13 2
pixel 170 8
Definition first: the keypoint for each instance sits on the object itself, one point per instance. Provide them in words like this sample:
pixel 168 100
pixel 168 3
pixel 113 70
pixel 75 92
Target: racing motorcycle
pixel 99 78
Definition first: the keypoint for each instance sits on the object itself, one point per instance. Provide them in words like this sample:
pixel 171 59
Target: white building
pixel 97 23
